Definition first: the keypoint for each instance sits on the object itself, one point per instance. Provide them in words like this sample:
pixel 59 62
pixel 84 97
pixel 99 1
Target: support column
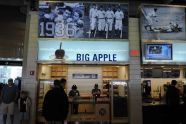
pixel 135 98
pixel 29 82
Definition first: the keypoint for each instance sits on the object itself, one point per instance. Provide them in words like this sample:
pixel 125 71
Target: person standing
pixel 119 16
pixel 74 93
pixel 172 101
pixel 9 96
pixel 24 104
pixel 184 105
pixel 55 105
pixel 1 87
pixel 101 21
pixel 150 15
pixel 109 22
pixel 96 92
pixel 93 20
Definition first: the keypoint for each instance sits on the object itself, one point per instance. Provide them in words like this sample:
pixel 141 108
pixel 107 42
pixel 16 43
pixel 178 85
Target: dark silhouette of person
pixel 96 92
pixel 55 105
pixel 146 89
pixel 172 101
pixel 1 87
pixel 107 86
pixel 74 93
pixel 184 105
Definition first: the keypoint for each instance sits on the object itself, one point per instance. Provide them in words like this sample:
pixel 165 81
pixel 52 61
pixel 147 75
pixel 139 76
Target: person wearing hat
pixel 9 96
pixel 74 93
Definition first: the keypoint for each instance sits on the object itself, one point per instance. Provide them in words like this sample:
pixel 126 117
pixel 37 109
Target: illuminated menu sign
pixel 83 51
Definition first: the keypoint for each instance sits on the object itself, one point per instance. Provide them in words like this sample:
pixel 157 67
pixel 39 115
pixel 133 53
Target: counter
pixel 158 113
pixel 90 110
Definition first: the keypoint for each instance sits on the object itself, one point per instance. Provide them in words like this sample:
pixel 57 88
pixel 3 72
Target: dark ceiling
pixel 12 23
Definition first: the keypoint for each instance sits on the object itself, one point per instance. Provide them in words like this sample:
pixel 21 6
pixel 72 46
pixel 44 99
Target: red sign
pixel 134 53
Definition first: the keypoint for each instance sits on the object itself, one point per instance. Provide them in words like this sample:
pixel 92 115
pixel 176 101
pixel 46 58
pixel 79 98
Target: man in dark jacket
pixel 55 105
pixel 173 100
pixel 172 94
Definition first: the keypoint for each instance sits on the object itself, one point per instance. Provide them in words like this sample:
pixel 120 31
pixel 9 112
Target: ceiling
pixel 12 25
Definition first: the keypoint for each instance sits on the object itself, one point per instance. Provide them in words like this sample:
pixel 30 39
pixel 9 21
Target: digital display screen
pixel 158 51
pixel 172 52
pixel 83 20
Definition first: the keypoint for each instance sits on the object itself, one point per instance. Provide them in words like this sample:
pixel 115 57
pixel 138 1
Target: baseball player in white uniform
pixel 119 16
pixel 101 21
pixel 150 15
pixel 109 21
pixel 93 19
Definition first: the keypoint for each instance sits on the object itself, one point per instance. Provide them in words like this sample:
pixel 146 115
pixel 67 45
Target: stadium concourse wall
pixel 29 77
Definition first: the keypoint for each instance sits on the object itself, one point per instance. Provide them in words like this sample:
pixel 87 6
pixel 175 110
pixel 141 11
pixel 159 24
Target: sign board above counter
pixel 83 52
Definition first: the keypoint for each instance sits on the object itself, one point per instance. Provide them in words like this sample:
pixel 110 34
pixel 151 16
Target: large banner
pixel 84 52
pixel 83 20
pixel 163 22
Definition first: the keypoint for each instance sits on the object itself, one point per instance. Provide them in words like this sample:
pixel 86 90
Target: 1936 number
pixel 50 29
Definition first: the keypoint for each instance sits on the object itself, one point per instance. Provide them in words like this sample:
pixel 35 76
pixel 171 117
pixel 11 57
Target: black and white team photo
pixel 83 20
pixel 107 21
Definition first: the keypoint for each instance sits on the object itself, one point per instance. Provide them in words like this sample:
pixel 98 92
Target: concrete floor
pixel 16 119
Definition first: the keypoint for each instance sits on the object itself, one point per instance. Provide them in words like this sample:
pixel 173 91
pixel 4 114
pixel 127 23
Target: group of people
pixel 103 20
pixel 56 104
pixel 9 97
pixel 62 17
pixel 74 94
